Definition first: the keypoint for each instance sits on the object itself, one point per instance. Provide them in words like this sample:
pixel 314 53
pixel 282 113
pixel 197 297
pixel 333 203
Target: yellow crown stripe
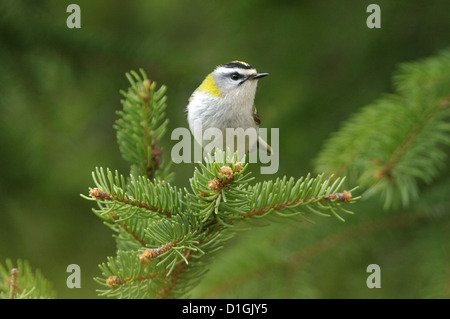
pixel 241 62
pixel 210 86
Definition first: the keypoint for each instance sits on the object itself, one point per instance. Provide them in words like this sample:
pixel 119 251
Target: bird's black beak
pixel 254 77
pixel 258 76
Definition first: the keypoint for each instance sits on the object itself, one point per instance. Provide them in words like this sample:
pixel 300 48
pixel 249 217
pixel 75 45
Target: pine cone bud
pixel 144 96
pixel 238 167
pixel 146 255
pixel 227 172
pixel 147 85
pixel 214 185
pixel 112 281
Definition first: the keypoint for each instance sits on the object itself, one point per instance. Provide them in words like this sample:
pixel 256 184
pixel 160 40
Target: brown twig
pixel 339 197
pixel 125 227
pixel 153 253
pixel 386 169
pixel 13 283
pixel 165 292
pixel 101 195
pixel 149 143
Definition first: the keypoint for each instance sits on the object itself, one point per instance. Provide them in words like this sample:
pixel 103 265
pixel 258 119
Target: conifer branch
pixel 170 283
pixel 386 169
pixel 127 229
pixel 392 145
pixel 153 253
pixel 166 236
pixel 19 281
pixel 101 195
pixel 338 197
pixel 142 125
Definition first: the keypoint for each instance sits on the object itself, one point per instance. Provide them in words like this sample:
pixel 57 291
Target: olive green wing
pixel 256 116
pixel 261 143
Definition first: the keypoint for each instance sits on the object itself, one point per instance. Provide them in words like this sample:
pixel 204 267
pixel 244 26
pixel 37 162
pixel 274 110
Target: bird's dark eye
pixel 235 76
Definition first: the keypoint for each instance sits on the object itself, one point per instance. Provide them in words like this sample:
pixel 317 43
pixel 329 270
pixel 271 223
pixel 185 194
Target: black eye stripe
pixel 236 76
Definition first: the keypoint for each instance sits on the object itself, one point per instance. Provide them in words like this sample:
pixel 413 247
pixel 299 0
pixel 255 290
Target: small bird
pixel 225 99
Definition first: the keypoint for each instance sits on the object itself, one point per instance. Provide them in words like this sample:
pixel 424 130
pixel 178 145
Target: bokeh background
pixel 59 91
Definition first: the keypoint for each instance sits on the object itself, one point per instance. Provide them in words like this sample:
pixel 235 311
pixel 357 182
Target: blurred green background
pixel 59 90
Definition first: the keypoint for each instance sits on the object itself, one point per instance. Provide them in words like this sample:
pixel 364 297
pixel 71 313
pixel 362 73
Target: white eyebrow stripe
pixel 223 70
